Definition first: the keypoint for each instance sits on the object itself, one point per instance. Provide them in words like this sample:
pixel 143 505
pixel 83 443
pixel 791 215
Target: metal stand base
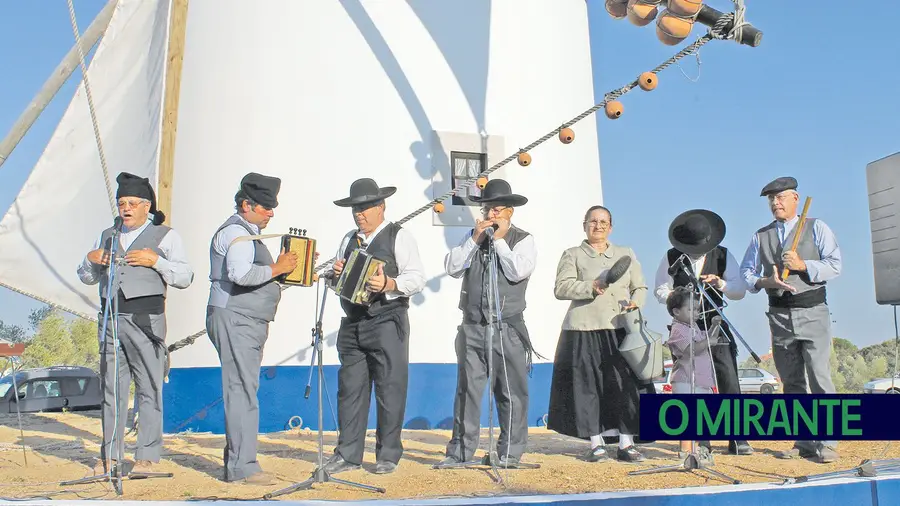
pixel 866 469
pixel 320 476
pixel 691 463
pixel 113 475
pixel 492 461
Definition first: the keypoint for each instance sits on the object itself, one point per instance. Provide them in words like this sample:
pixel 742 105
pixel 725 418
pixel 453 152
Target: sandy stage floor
pixel 62 446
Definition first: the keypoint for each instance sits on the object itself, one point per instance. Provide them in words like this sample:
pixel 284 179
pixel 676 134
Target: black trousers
pixel 725 364
pixel 373 351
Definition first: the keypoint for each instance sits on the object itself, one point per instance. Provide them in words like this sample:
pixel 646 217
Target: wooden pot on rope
pixel 524 159
pixel 647 81
pixel 617 9
pixel 614 109
pixel 672 29
pixel 566 135
pixel 481 182
pixel 439 207
pixel 642 12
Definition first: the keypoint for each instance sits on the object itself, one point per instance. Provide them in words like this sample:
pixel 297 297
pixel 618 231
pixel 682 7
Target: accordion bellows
pixel 305 248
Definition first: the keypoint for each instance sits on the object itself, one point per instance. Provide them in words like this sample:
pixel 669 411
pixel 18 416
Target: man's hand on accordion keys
pixel 378 282
pixel 287 262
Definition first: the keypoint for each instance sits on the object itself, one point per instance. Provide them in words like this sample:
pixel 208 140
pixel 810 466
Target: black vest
pixel 473 299
pixel 381 248
pixel 715 263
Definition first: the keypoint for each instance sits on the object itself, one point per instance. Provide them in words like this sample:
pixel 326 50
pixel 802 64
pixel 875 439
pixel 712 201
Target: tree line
pixel 54 338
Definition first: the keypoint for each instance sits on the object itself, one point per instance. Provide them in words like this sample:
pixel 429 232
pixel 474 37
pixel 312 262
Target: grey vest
pixel 259 301
pixel 473 300
pixel 134 282
pixel 808 294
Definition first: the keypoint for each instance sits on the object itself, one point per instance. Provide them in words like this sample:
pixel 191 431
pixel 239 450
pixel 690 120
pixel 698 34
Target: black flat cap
pixel 261 189
pixel 779 185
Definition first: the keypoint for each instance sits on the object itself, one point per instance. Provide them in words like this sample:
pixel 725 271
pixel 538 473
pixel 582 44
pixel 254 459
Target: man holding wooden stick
pixel 792 258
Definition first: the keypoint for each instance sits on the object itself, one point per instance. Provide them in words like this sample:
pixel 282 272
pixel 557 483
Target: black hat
pixel 696 232
pixel 779 185
pixel 498 191
pixel 261 189
pixel 136 186
pixel 365 191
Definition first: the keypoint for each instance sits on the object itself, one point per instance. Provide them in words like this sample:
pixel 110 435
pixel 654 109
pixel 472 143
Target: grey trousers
pixel 373 351
pixel 239 341
pixel 801 347
pixel 472 377
pixel 142 357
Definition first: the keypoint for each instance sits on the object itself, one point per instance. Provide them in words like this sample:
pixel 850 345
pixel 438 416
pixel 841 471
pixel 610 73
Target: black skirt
pixel 593 388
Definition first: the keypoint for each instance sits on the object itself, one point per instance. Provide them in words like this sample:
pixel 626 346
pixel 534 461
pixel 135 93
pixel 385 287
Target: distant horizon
pixel 803 104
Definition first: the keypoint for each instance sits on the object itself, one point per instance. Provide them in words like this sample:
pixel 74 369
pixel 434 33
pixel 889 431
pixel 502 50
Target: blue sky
pixel 815 101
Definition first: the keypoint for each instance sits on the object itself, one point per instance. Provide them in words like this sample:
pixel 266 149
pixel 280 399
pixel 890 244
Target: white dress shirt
pixel 734 289
pixel 517 263
pixel 174 268
pixel 410 278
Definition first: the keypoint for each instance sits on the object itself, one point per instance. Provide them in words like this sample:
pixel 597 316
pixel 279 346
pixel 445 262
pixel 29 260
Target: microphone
pixel 680 263
pixel 490 231
pixel 117 223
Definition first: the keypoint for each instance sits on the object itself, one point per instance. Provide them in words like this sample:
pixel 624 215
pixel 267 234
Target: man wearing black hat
pixel 798 314
pixel 696 235
pixel 516 257
pixel 243 299
pixel 373 340
pixel 150 257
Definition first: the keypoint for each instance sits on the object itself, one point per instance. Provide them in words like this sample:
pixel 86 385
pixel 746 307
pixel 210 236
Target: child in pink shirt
pixel 684 307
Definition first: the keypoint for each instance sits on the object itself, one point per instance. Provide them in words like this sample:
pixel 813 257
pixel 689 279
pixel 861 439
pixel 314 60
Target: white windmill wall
pixel 320 94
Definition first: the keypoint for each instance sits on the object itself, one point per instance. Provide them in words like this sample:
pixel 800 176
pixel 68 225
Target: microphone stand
pixel 693 459
pixel 114 473
pixel 494 305
pixel 319 475
pixel 700 288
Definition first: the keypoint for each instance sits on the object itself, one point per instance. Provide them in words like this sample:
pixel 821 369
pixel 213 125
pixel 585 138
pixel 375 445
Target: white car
pixel 883 386
pixel 755 380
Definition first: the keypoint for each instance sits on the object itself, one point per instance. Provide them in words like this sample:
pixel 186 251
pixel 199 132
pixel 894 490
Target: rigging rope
pixel 90 101
pixel 714 33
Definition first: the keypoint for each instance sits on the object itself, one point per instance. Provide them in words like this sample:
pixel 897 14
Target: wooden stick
pixel 175 54
pixel 56 80
pixel 800 223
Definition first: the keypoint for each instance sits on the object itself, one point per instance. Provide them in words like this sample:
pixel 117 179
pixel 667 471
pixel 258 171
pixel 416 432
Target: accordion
pixel 305 248
pixel 358 270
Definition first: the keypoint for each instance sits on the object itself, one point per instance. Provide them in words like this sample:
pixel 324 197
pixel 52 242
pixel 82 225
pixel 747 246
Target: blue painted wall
pixel 192 400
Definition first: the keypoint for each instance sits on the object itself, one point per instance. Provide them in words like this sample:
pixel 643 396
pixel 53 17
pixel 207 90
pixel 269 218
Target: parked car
pixel 758 381
pixel 51 389
pixel 662 383
pixel 883 386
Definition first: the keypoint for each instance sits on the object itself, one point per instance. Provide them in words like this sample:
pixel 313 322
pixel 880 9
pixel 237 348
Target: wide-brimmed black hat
pixel 365 191
pixel 696 232
pixel 498 191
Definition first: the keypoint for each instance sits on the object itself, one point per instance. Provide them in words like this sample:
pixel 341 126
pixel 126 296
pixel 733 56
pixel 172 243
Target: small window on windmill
pixel 466 166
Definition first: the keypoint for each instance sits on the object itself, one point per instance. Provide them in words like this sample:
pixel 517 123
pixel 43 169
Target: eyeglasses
pixel 125 204
pixel 496 210
pixel 598 223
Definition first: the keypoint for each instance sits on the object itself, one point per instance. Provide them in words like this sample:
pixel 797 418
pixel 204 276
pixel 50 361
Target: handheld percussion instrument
pixel 800 223
pixel 358 270
pixel 305 247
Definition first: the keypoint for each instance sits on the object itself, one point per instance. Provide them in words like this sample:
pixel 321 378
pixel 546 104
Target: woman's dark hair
pixel 678 299
pixel 594 208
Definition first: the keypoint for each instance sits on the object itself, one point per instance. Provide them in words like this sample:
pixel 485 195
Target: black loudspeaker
pixel 883 182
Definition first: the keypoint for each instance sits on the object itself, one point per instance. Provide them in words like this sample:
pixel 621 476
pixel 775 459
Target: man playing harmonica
pixel 373 341
pixel 243 299
pixel 516 259
pixel 153 258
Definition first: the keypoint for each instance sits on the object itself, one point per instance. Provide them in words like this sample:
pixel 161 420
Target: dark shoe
pixel 501 461
pixel 629 454
pixel 827 454
pixel 385 467
pixel 336 464
pixel 598 453
pixel 797 452
pixel 740 448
